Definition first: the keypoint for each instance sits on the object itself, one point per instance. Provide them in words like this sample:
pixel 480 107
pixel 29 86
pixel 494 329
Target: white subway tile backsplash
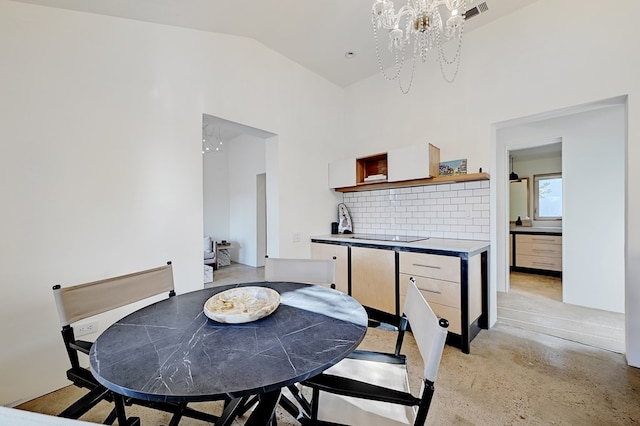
pixel 474 200
pixel 457 210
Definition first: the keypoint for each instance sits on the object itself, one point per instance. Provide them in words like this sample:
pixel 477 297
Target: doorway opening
pixel 236 198
pixel 585 302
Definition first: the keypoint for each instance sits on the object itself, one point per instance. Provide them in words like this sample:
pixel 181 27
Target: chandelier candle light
pixel 418 27
pixel 209 145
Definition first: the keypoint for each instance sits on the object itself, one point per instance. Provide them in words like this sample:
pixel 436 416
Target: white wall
pixel 593 146
pixel 100 143
pixel 246 161
pixel 512 69
pixel 101 163
pixel 215 181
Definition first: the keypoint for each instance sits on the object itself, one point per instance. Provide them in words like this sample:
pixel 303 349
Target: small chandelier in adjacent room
pixel 210 141
pixel 417 28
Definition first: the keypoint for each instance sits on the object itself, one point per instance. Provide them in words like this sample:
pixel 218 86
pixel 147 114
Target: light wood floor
pixel 534 302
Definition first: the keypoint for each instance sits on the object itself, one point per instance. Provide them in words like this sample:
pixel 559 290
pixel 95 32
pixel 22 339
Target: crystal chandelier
pixel 418 27
pixel 210 141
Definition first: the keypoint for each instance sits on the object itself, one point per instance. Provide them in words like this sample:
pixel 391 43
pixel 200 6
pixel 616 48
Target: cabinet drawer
pixel 537 239
pixel 537 249
pixel 430 266
pixel 438 291
pixel 539 262
pixel 452 315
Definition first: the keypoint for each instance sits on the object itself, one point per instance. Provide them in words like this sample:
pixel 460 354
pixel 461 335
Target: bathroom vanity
pixel 536 250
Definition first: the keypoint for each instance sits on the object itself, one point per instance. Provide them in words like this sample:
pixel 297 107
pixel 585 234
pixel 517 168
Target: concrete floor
pixel 512 377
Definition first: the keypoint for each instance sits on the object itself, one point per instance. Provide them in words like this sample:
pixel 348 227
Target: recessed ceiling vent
pixel 475 11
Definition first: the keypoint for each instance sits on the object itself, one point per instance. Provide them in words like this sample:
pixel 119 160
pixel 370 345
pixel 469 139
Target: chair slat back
pixel 82 301
pixel 312 271
pixel 429 334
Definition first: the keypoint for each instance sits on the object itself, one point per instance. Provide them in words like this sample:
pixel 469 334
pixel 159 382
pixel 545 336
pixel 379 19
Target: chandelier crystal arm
pixel 425 24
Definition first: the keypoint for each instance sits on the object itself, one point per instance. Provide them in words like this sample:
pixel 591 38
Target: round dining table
pixel 170 351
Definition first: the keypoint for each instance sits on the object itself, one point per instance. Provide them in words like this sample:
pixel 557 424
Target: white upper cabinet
pixel 342 173
pixel 413 162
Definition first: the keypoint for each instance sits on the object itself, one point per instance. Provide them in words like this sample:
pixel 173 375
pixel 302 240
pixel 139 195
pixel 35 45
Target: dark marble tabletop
pixel 170 351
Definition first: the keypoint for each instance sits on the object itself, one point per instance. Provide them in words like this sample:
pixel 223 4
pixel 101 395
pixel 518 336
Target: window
pixel 548 196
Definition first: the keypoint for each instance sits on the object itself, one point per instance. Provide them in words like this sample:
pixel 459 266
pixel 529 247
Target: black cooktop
pixel 380 237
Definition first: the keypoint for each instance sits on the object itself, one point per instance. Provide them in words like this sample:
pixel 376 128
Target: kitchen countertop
pixel 535 229
pixel 470 247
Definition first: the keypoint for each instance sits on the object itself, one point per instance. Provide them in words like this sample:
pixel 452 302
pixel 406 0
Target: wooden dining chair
pixel 371 388
pixel 79 302
pixel 312 271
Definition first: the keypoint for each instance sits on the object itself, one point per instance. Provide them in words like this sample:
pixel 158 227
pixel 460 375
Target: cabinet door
pixel 413 162
pixel 342 173
pixel 329 251
pixel 373 278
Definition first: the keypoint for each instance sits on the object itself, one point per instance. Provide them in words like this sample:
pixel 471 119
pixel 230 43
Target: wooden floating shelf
pixel 416 182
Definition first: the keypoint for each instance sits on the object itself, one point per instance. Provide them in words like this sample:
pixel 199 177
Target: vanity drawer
pixel 430 266
pixel 437 291
pixel 453 315
pixel 539 262
pixel 537 239
pixel 536 249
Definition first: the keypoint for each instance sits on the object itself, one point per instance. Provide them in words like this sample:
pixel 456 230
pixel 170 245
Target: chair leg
pixel 291 408
pixel 118 400
pixel 110 418
pixel 304 404
pixel 247 406
pixel 423 410
pixel 85 403
pixel 177 415
pixel 230 411
pixel 315 396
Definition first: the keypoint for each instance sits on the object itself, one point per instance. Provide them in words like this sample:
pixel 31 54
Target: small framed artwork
pixel 454 167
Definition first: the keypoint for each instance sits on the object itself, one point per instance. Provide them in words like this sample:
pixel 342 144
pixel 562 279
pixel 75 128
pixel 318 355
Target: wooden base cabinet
pixel 451 285
pixel 341 255
pixel 538 253
pixel 455 283
pixel 373 278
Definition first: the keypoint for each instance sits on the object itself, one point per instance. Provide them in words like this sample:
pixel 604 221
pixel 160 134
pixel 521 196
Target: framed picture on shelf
pixel 454 167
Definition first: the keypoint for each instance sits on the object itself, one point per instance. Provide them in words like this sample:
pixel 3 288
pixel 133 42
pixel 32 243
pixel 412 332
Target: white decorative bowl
pixel 242 304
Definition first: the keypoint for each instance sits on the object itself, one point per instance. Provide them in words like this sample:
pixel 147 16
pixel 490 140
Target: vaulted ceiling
pixel 315 34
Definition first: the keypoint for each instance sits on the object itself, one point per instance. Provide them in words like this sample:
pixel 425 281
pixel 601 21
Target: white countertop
pixel 442 244
pixel 548 229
